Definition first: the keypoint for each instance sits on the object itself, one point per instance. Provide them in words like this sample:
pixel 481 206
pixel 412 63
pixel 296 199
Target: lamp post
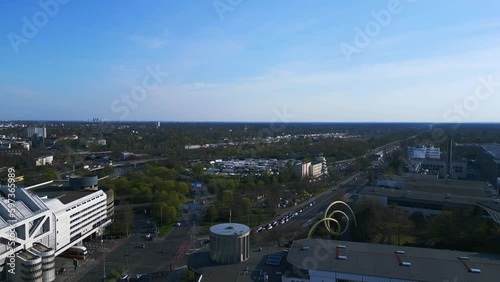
pixel 104 262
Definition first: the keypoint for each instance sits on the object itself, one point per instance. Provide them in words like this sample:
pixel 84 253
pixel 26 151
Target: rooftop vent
pixel 405 263
pixel 342 257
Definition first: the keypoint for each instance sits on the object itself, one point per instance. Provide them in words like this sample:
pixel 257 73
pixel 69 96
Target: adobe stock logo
pixel 372 29
pixel 31 27
pixel 225 6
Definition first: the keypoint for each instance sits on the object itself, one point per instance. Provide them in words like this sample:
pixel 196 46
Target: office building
pixel 315 169
pixel 424 152
pixel 36 131
pixel 302 169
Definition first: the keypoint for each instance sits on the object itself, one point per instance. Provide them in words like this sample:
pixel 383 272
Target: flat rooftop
pixel 428 188
pixel 41 248
pixel 25 255
pixel 493 150
pixel 384 261
pixel 61 191
pixel 229 229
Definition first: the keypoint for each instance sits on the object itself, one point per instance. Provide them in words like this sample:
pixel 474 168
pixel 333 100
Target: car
pixel 178 224
pixel 259 229
pixel 124 277
pixel 269 227
pixel 148 236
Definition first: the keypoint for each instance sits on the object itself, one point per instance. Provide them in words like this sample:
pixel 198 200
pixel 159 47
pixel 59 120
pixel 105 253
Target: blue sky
pixel 241 60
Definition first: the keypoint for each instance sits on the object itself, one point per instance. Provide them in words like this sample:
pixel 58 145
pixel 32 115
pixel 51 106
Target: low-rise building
pixel 45 160
pixel 316 260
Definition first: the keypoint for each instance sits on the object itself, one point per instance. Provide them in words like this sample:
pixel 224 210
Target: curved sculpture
pixel 328 219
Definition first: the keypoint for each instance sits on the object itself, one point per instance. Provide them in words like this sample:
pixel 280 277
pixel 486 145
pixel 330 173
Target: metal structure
pixel 328 218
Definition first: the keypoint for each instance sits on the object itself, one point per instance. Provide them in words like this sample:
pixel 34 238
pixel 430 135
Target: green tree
pixel 212 213
pixel 189 276
pixel 245 205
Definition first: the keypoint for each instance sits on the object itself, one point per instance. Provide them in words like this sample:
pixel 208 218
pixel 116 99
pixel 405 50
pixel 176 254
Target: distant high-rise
pixel 38 131
pixel 158 125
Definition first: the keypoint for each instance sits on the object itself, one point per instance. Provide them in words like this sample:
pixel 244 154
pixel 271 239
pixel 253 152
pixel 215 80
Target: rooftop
pixel 493 150
pixel 61 191
pixel 25 255
pixel 428 188
pixel 409 263
pixel 228 229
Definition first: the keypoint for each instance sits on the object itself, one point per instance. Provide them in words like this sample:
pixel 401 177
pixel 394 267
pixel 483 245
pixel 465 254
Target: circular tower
pixel 229 243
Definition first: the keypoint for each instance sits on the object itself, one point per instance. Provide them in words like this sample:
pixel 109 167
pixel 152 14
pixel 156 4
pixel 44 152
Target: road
pixel 299 225
pixel 158 256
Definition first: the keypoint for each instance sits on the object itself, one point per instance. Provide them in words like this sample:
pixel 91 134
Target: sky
pixel 259 61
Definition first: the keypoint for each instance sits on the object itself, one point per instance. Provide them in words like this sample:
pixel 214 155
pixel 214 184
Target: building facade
pixel 47 220
pixel 424 152
pixel 36 131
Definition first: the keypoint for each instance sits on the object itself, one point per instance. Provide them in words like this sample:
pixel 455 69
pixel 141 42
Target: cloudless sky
pixel 242 60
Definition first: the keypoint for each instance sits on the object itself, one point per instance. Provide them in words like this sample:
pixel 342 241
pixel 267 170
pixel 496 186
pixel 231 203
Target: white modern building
pixel 424 152
pixel 315 170
pixel 302 169
pixel 46 160
pixel 42 221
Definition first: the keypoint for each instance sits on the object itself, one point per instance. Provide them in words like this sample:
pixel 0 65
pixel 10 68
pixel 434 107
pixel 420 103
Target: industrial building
pixel 489 161
pixel 229 243
pixel 427 194
pixel 424 152
pixel 315 260
pixel 42 221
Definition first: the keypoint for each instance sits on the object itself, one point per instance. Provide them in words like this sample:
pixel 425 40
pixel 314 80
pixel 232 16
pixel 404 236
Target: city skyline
pixel 382 61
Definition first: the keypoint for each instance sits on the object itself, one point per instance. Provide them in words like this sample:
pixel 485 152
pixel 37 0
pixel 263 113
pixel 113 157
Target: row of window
pixel 99 204
pixel 77 213
pixel 75 229
pixel 101 195
pixel 37 278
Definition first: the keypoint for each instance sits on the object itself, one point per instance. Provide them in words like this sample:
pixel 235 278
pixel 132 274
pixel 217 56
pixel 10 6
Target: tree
pixel 212 213
pixel 245 205
pixel 198 170
pixel 188 276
